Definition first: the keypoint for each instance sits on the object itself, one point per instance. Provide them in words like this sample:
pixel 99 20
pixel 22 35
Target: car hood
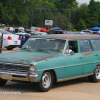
pixel 25 57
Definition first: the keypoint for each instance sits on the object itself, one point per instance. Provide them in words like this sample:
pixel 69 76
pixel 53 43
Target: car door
pixel 96 46
pixel 90 57
pixel 73 62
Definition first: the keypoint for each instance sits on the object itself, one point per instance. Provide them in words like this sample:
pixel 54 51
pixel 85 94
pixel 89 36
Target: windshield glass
pixel 44 45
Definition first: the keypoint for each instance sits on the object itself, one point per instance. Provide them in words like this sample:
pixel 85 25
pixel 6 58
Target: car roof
pixel 4 31
pixel 68 36
pixel 20 33
pixel 56 30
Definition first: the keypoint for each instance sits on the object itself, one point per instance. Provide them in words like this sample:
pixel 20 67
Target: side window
pixel 96 44
pixel 73 46
pixel 85 46
pixel 23 37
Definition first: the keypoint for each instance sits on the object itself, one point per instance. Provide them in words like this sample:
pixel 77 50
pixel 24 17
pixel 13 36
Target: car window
pixel 45 44
pixel 96 44
pixel 85 46
pixel 87 31
pixel 21 36
pixel 73 46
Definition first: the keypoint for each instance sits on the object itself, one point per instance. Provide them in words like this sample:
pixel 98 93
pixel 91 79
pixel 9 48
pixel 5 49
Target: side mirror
pixel 72 52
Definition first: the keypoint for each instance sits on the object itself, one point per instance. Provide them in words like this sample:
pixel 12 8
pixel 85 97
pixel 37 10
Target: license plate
pixel 15 42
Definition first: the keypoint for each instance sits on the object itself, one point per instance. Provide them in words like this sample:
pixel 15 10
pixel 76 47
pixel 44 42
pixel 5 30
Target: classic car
pixel 10 40
pixel 43 60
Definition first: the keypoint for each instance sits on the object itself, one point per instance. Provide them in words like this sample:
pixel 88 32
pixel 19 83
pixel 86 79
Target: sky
pixel 85 1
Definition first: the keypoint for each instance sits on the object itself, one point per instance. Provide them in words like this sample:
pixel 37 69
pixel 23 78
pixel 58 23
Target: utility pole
pixel 31 18
pixel 69 18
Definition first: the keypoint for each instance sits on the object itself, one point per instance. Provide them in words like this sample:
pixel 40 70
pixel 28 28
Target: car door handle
pixel 80 57
pixel 96 55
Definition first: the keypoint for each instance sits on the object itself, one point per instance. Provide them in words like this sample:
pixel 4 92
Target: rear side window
pixel 96 44
pixel 85 46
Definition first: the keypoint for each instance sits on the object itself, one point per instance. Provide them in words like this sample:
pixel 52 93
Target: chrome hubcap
pixel 46 80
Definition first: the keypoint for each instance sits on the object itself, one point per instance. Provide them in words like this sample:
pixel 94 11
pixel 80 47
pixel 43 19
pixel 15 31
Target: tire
pixel 9 48
pixel 2 82
pixel 46 81
pixel 96 76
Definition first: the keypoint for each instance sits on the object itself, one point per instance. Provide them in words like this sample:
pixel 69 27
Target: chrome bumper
pixel 19 77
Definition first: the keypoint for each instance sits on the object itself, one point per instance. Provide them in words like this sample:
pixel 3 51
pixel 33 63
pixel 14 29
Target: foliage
pixel 65 14
pixel 92 19
pixel 79 13
pixel 81 24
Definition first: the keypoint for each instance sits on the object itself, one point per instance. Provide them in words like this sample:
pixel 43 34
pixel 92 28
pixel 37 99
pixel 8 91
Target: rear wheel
pixel 2 82
pixel 96 76
pixel 46 81
pixel 9 48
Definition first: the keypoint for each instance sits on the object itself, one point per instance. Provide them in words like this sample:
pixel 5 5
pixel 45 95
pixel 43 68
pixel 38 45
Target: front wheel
pixel 2 82
pixel 96 76
pixel 46 81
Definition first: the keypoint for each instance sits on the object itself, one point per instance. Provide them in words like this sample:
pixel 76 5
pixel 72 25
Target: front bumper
pixel 19 77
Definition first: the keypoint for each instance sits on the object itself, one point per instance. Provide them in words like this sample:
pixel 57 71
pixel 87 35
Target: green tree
pixel 79 13
pixel 98 11
pixel 92 18
pixel 81 24
pixel 15 12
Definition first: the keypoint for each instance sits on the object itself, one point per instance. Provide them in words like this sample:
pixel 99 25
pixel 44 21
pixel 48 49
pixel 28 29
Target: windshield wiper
pixel 27 49
pixel 40 50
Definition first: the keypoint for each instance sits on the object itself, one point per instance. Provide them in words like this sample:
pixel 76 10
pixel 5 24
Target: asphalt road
pixel 78 89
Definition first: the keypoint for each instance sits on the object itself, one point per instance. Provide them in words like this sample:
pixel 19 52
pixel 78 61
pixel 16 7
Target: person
pixel 56 48
pixel 68 50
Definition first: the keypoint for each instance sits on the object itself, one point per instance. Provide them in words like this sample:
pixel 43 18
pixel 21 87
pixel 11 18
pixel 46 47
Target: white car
pixel 10 40
pixel 38 33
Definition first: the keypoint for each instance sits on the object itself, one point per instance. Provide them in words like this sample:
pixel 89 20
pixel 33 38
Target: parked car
pixel 76 32
pixel 9 29
pixel 38 33
pixel 56 32
pixel 23 37
pixel 43 60
pixel 86 32
pixel 10 40
pixel 89 32
pixel 18 29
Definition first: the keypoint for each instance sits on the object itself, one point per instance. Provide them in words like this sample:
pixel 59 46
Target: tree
pixel 81 24
pixel 98 11
pixel 15 12
pixel 79 13
pixel 92 19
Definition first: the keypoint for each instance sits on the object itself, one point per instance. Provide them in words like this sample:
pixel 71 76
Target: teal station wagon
pixel 52 58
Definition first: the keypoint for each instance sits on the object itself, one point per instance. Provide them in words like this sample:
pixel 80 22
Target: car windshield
pixel 44 45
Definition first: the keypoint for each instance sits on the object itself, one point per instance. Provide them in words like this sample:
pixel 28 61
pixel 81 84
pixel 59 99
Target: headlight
pixel 32 69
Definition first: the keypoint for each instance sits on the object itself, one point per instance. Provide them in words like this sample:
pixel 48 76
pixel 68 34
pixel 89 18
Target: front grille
pixel 14 68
